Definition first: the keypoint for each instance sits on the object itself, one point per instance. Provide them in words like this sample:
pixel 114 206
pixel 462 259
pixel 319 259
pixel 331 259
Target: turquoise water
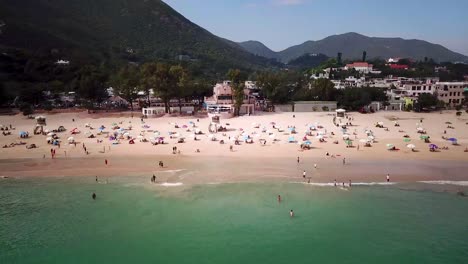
pixel 56 221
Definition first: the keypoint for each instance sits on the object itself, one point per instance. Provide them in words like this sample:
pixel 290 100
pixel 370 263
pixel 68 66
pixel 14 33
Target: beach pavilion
pixel 340 112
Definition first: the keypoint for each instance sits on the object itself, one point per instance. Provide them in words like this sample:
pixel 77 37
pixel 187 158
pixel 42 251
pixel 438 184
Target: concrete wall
pixel 307 106
pixel 314 106
pixel 284 108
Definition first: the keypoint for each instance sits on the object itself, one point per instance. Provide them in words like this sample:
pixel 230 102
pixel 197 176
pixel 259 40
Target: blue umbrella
pixel 22 133
pixel 452 139
pixel 307 142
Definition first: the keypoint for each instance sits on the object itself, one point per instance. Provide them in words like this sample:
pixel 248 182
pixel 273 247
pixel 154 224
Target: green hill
pixel 351 45
pixel 109 30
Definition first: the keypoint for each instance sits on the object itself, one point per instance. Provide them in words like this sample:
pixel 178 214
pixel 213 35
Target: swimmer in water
pixel 291 213
pixel 94 196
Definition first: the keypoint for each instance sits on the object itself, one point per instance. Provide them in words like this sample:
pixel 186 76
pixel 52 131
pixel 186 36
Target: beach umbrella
pixel 433 146
pixel 272 123
pixel 406 140
pixel 71 139
pixel 49 139
pixel 157 133
pixel 424 137
pixel 452 139
pixel 307 142
pixel 22 133
pixel 349 142
pixel 380 123
pixel 411 146
pixel 420 129
pixel 319 137
pixel 211 136
pixel 448 123
pixel 345 136
pixel 272 136
pixel 390 146
pixel 184 126
pixel 46 131
pixel 363 140
pixel 371 137
pixel 50 134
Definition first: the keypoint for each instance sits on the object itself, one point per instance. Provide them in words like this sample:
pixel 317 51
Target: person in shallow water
pixel 291 213
pixel 94 196
pixel 279 198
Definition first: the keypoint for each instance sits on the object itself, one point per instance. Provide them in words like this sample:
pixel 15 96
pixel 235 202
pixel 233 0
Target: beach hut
pixel 340 112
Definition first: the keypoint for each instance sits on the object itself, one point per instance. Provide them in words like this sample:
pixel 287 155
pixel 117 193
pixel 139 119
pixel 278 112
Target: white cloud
pixel 289 2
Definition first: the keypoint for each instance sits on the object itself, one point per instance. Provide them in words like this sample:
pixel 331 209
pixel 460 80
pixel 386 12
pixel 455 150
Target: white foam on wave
pixel 339 184
pixel 172 171
pixel 459 183
pixel 171 184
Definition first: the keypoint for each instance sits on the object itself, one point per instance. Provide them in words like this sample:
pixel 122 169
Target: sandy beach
pixel 275 160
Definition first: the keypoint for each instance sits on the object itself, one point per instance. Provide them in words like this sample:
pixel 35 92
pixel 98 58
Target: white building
pixel 451 92
pixel 222 100
pixel 62 62
pixel 363 67
pixel 251 85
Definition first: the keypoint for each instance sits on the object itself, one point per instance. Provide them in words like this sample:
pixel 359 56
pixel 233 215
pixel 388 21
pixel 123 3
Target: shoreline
pixel 203 170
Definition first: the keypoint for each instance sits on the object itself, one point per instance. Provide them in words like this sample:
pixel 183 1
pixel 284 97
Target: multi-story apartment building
pixel 451 92
pixel 223 101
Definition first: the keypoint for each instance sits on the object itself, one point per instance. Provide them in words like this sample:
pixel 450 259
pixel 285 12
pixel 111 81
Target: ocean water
pixel 54 220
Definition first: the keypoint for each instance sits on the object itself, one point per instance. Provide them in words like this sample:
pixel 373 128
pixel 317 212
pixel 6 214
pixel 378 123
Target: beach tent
pixel 411 146
pixel 453 140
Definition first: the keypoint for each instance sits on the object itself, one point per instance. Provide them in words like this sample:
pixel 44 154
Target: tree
pixel 148 79
pixel 426 101
pixel 338 58
pixel 27 109
pixel 237 85
pixel 180 80
pixel 126 83
pixel 364 55
pixel 92 84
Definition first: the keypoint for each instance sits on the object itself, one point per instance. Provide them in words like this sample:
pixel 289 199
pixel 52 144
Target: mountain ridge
pixel 352 44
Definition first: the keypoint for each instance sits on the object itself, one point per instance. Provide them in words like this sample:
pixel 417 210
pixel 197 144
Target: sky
pixel 280 24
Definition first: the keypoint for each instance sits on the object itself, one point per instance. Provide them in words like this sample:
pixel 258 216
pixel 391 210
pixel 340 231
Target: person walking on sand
pixel 105 161
pixel 315 166
pixel 388 177
pixel 344 161
pixel 298 160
